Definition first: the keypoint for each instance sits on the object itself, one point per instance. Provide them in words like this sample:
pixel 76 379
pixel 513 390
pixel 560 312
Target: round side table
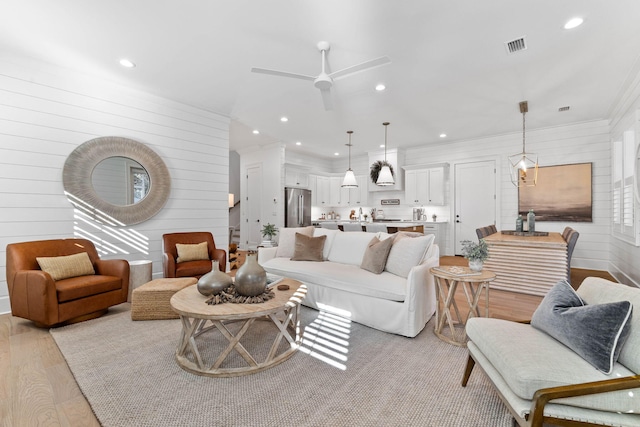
pixel 473 283
pixel 139 274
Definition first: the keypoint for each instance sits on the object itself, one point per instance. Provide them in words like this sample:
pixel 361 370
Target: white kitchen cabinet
pixel 424 185
pixel 436 186
pixel 320 194
pixel 359 196
pixel 338 196
pixel 296 178
pixel 416 190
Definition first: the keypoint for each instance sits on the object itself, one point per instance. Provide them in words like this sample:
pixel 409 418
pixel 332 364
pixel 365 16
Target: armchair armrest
pixel 112 267
pixel 221 256
pixel 543 396
pixel 168 265
pixel 116 268
pixel 33 296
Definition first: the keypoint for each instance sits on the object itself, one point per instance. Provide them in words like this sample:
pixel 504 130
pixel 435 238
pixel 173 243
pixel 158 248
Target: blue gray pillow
pixel 595 332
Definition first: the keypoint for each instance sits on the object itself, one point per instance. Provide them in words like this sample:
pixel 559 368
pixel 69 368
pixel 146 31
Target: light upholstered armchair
pixel 198 259
pixel 572 365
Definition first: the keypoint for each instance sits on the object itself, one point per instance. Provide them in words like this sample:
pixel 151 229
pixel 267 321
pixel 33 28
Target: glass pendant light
pixel 349 178
pixel 524 166
pixel 385 177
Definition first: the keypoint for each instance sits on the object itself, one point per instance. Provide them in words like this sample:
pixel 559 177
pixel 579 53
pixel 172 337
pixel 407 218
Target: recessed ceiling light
pixel 380 87
pixel 126 63
pixel 573 23
pixel 298 143
pixel 381 145
pixel 256 131
pixel 443 135
pixel 336 154
pixel 284 119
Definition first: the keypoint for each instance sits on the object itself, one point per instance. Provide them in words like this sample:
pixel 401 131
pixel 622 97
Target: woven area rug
pixel 346 374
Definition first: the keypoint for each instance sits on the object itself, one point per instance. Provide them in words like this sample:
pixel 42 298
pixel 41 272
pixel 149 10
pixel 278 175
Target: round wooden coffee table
pixel 198 318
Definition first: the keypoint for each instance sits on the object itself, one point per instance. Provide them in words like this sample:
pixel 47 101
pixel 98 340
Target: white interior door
pixel 475 199
pixel 254 208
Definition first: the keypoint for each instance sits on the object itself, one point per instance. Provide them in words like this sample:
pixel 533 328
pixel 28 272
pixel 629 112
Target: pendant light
pixel 385 177
pixel 349 178
pixel 524 166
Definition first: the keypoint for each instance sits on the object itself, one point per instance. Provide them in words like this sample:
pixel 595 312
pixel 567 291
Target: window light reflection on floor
pixel 327 337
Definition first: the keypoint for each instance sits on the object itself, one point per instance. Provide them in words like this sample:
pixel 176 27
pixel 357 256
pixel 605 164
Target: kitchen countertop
pixel 403 223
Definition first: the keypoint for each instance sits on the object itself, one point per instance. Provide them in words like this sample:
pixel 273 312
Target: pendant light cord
pixel 385 124
pixel 349 132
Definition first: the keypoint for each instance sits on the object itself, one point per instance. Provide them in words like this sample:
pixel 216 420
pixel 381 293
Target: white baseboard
pixel 590 264
pixel 621 276
pixel 5 305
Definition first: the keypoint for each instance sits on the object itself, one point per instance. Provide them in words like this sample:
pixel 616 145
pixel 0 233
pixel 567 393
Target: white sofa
pixel 386 301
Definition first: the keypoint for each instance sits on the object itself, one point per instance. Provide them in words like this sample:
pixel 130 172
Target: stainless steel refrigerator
pixel 297 208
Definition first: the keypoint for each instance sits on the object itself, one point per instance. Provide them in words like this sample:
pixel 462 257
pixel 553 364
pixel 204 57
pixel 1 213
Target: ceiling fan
pixel 324 81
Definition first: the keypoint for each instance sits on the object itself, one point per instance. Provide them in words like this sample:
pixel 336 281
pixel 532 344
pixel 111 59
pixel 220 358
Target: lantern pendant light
pixel 349 178
pixel 385 177
pixel 524 166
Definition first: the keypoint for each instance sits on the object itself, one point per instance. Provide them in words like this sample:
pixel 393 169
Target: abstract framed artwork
pixel 563 193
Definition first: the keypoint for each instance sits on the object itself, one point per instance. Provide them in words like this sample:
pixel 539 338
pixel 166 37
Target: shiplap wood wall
pixel 624 259
pixel 46 112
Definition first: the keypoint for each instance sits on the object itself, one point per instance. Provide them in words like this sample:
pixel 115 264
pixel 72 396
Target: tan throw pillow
pixel 196 252
pixel 308 248
pixel 375 256
pixel 64 267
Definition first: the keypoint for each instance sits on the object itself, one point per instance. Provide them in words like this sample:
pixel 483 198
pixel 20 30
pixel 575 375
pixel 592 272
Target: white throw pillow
pixel 406 253
pixel 287 239
pixel 331 234
pixel 348 247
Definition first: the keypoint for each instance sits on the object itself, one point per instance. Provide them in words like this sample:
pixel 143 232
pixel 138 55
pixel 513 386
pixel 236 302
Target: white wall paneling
pixel 46 112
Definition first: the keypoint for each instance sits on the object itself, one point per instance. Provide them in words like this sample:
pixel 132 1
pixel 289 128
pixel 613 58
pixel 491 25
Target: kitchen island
pixel 526 264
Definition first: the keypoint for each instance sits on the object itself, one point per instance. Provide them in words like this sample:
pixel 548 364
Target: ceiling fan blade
pixel 360 67
pixel 281 73
pixel 326 99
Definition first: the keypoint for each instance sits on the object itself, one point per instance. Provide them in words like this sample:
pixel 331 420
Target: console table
pixel 527 264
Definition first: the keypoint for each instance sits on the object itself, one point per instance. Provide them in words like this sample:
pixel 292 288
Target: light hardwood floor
pixel 38 389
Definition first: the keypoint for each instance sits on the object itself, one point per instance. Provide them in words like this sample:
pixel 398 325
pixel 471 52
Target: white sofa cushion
pixel 331 234
pixel 347 277
pixel 348 247
pixel 287 239
pixel 528 360
pixel 406 253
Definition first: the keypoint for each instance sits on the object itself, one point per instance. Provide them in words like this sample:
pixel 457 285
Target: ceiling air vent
pixel 564 108
pixel 516 45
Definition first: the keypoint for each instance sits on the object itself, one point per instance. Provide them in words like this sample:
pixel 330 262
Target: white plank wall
pixel 46 112
pixel 624 260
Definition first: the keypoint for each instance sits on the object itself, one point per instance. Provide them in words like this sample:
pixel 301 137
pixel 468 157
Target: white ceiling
pixel 450 71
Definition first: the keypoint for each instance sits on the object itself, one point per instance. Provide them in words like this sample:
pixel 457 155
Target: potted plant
pixel 268 231
pixel 476 253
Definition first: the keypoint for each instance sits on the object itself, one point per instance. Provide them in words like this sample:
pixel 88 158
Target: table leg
pixel 234 343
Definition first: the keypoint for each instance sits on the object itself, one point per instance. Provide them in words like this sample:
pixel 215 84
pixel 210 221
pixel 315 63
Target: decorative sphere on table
pixel 251 278
pixel 215 281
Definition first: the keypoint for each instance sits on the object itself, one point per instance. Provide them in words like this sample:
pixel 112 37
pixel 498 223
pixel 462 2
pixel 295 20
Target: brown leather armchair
pixel 190 268
pixel 34 295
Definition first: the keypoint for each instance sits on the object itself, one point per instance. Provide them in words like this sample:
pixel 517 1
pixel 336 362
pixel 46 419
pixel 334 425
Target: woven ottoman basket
pixel 151 300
